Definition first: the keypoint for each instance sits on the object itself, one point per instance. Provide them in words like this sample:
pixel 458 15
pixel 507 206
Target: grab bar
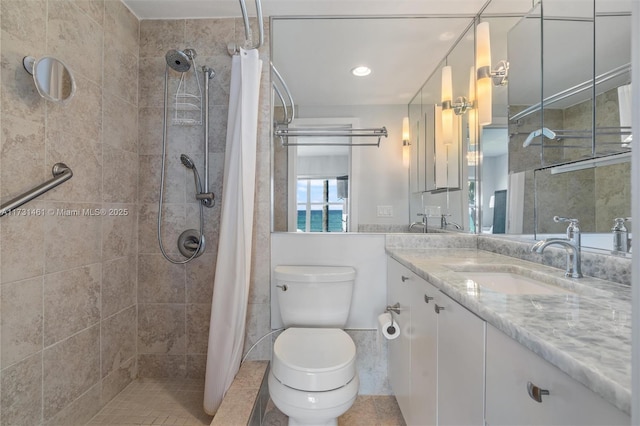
pixel 61 173
pixel 234 48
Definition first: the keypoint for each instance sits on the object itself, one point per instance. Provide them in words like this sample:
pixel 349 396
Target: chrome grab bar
pixel 61 173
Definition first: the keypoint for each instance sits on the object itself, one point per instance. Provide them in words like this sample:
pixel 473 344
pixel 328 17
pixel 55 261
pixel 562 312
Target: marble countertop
pixel 586 332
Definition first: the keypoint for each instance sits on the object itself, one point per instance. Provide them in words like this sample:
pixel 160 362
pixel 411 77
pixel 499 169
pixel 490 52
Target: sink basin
pixel 512 283
pixel 512 279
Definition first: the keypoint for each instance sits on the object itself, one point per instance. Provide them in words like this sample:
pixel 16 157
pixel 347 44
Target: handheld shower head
pixel 187 161
pixel 178 60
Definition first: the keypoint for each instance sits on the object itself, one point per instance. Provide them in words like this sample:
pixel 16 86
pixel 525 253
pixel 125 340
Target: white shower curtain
pixel 233 266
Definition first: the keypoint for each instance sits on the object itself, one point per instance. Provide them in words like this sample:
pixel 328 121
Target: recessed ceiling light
pixel 361 71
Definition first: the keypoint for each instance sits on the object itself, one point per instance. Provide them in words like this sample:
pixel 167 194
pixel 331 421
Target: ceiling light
pixel 361 71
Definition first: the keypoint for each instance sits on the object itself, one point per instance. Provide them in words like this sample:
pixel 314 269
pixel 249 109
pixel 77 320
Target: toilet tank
pixel 314 296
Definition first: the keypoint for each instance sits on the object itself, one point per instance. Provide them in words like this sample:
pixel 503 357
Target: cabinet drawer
pixel 510 366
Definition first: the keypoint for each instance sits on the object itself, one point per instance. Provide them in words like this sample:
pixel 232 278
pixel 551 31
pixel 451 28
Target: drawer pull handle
pixel 439 308
pixel 427 298
pixel 535 392
pixel 404 278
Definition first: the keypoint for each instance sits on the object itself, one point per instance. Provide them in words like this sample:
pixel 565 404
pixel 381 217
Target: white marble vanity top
pixel 586 333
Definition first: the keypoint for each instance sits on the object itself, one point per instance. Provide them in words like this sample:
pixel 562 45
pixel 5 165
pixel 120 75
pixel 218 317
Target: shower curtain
pixel 233 266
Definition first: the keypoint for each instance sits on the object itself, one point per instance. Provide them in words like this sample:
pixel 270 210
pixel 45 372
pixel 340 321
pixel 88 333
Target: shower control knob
pixel 283 287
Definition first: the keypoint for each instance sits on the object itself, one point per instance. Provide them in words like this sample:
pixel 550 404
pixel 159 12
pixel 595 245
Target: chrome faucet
pixel 571 244
pixel 423 223
pixel 444 223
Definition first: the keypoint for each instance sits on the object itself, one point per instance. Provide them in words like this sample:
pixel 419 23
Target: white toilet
pixel 313 376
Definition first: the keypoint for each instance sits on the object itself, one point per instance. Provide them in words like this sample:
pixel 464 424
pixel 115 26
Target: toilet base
pixel 313 408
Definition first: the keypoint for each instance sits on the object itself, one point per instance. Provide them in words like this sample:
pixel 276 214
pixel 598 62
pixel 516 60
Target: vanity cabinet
pixel 436 365
pixel 510 367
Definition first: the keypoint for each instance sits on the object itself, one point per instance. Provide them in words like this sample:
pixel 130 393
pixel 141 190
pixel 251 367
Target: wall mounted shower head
pixel 187 161
pixel 178 60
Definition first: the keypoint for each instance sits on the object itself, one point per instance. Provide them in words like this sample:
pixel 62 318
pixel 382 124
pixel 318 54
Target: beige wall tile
pixel 21 320
pixel 209 36
pixel 80 411
pixel 70 368
pixel 15 231
pixel 72 241
pixel 151 81
pixel 120 176
pixel 118 336
pixel 157 36
pixel 122 24
pixel 198 319
pixel 149 179
pixel 118 285
pixel 69 32
pixel 82 116
pixel 162 365
pixel 150 130
pixel 84 157
pixel 120 71
pixel 161 329
pixel 120 123
pixel 119 230
pixel 119 378
pixel 200 275
pixel 93 8
pixel 77 291
pixel 160 281
pixel 22 155
pixel 22 392
pixel 196 366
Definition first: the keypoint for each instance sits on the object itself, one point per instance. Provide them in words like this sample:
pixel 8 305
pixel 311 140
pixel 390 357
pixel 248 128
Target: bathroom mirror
pixel 53 80
pixel 315 56
pixel 576 162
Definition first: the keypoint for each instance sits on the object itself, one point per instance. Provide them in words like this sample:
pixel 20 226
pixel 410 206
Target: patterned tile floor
pixel 156 402
pixel 179 402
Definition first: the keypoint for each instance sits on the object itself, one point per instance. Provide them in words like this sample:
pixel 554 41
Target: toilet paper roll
pixel 389 328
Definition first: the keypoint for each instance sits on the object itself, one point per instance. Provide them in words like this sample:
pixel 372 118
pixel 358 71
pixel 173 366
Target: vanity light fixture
pixel 361 71
pixel 486 77
pixel 447 107
pixel 406 144
pixel 472 111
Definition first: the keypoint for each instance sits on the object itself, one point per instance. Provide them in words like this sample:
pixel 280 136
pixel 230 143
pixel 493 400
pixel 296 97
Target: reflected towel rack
pixel 61 173
pixel 233 48
pixel 616 72
pixel 284 133
pixel 574 134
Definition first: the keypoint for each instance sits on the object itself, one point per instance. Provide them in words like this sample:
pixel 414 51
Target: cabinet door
pixel 461 339
pixel 510 366
pixel 424 340
pixel 399 349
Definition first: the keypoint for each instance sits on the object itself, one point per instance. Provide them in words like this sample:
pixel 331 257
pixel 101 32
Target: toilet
pixel 313 377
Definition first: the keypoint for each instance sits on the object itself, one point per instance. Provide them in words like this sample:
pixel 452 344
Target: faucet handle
pixel 558 219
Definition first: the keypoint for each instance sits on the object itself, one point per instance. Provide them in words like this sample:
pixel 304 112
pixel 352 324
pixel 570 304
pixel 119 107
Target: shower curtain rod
pixel 233 48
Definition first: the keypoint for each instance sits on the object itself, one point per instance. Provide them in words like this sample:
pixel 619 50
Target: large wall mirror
pixel 569 134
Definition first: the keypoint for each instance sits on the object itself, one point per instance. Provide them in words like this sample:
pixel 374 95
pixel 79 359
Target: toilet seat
pixel 314 359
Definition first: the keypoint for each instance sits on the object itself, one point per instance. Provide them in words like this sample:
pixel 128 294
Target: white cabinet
pixel 436 365
pixel 461 349
pixel 510 367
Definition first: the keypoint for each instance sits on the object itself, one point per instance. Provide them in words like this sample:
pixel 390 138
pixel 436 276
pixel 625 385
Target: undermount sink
pixel 511 279
pixel 511 283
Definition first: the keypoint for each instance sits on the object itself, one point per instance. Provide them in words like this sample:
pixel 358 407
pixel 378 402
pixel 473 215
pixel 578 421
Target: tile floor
pixel 179 402
pixel 368 410
pixel 156 402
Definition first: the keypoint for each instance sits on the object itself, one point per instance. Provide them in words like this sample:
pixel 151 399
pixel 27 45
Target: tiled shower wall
pixel 68 301
pixel 174 300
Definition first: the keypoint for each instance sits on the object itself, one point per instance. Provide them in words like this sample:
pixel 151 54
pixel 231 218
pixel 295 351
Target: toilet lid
pixel 314 359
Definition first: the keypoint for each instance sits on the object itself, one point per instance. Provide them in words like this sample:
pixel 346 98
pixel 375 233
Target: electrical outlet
pixel 385 211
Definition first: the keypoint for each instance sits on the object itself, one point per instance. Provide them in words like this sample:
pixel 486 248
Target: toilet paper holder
pixel 395 308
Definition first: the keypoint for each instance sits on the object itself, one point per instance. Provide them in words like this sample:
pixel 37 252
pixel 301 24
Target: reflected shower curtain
pixel 233 266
